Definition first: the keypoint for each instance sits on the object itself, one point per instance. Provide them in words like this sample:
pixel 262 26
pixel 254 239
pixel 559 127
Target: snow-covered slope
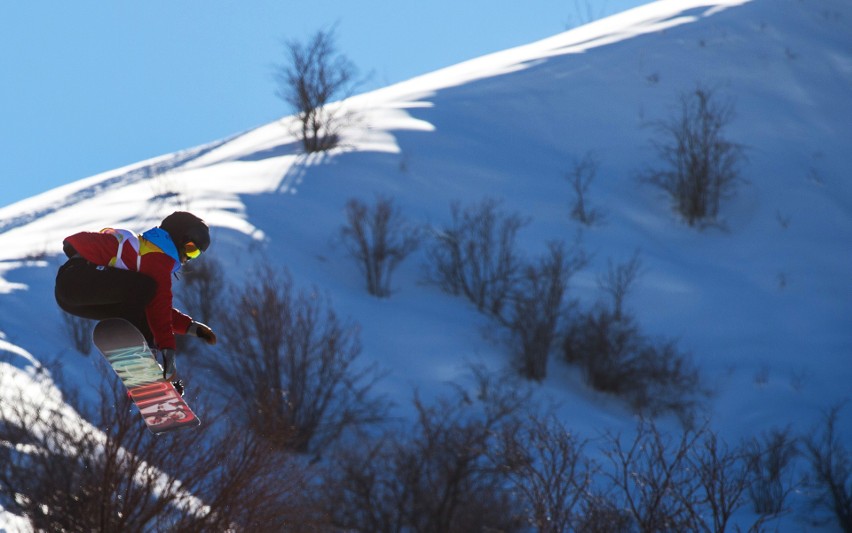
pixel 763 305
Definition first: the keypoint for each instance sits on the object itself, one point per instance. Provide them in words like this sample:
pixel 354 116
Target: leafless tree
pixel 293 364
pixel 475 255
pixel 379 239
pixel 701 167
pixel 315 74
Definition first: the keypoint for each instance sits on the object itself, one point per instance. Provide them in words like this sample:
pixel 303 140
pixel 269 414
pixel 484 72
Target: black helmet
pixel 184 227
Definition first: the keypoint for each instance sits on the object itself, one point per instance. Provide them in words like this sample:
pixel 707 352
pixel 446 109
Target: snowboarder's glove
pixel 202 331
pixel 169 368
pixel 178 385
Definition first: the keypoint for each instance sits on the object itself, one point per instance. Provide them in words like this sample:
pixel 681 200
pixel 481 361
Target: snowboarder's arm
pixel 159 309
pixel 180 322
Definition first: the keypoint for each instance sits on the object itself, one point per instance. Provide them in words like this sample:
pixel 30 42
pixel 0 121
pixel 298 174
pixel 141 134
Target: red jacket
pixel 139 255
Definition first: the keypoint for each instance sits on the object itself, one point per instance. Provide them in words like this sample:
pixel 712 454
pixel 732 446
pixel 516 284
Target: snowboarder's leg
pixel 97 293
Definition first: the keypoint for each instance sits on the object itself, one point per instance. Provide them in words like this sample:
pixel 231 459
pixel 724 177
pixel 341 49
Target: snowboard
pixel 162 407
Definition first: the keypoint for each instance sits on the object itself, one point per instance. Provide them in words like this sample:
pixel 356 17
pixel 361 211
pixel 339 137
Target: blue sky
pixel 89 86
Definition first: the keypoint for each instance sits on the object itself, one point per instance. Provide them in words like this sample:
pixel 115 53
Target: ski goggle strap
pixel 191 250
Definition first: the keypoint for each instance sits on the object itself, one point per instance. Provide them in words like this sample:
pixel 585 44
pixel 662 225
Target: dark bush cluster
pixel 483 458
pixel 66 476
pixel 436 475
pixel 615 357
pixel 476 257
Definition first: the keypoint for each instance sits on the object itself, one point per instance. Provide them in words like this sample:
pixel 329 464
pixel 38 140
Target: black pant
pixel 89 291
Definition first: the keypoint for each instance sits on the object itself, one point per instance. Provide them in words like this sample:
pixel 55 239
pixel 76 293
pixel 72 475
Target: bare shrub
pixel 581 176
pixel 615 357
pixel 314 74
pixel 65 476
pixel 475 256
pixel 701 167
pixel 770 459
pixel 831 470
pixel 379 239
pixel 690 482
pixel 537 309
pixel 80 331
pixel 546 466
pixel 293 364
pixel 650 480
pixel 618 281
pixel 723 479
pixel 435 475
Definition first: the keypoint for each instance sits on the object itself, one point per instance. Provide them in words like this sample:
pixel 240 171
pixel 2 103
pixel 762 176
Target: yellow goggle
pixel 191 250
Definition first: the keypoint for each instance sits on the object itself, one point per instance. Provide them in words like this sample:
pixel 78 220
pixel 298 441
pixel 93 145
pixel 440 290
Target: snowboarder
pixel 115 273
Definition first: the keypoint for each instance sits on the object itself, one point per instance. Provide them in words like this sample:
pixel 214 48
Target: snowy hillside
pixel 763 305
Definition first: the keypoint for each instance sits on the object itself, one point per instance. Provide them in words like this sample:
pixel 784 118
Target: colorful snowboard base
pixel 160 405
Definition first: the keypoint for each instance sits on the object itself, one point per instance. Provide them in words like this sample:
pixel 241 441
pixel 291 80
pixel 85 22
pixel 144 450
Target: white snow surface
pixel 763 305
